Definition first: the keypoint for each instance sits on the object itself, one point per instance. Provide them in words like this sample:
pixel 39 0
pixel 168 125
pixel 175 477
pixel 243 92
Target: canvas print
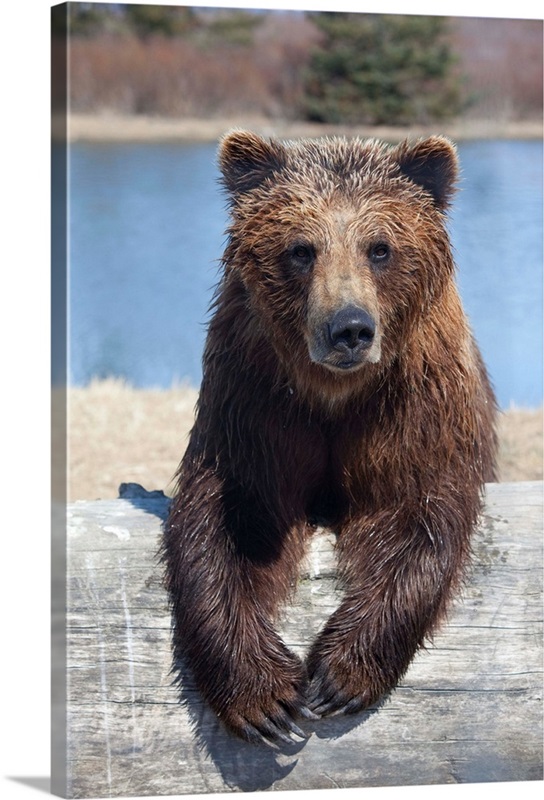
pixel 297 399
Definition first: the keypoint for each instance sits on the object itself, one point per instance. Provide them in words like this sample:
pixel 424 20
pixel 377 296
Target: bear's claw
pixel 275 727
pixel 325 698
pixel 269 732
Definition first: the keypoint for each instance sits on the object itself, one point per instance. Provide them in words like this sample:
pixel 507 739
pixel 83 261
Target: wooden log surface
pixel 468 710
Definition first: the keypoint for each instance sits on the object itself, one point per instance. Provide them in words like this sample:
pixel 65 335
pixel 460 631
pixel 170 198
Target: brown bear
pixel 341 382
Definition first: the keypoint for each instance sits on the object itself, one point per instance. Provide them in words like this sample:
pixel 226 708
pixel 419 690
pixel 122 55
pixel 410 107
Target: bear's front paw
pixel 264 706
pixel 338 684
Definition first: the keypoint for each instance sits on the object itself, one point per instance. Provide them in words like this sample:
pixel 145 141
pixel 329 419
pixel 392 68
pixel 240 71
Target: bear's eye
pixel 379 253
pixel 302 255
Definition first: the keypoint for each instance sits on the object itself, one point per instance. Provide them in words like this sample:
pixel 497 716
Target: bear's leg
pixel 400 572
pixel 226 574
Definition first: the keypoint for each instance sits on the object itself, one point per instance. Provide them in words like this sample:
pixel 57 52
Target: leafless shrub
pixel 501 61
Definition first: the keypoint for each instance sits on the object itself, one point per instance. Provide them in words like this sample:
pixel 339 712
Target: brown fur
pixel 391 448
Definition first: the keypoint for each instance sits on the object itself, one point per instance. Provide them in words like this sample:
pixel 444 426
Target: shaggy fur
pixel 341 382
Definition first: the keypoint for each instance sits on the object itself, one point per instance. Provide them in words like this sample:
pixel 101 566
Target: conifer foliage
pixel 381 69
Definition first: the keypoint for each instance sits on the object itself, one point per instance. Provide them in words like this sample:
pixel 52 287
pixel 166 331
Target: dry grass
pixel 520 435
pixel 115 127
pixel 119 434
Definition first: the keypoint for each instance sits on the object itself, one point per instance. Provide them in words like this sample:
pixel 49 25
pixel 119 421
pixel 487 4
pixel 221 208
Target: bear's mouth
pixel 351 364
pixel 347 365
pixel 340 362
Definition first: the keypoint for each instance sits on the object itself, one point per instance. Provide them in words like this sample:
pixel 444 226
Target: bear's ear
pixel 431 163
pixel 245 160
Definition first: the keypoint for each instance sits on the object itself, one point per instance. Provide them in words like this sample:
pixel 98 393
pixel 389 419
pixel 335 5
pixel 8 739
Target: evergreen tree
pixel 159 20
pixel 381 69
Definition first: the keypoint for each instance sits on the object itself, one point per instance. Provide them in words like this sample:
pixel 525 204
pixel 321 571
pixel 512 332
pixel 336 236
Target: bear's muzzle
pixel 347 340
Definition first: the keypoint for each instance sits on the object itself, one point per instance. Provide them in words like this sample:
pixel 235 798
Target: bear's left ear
pixel 245 160
pixel 431 163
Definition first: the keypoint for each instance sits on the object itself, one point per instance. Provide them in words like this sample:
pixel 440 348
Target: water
pixel 147 228
pixel 496 227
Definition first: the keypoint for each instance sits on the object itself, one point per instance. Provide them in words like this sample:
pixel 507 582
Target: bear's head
pixel 340 244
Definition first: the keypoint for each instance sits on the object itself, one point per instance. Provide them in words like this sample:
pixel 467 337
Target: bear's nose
pixel 352 327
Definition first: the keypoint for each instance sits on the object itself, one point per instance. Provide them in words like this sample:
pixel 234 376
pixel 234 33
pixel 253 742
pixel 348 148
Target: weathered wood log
pixel 468 710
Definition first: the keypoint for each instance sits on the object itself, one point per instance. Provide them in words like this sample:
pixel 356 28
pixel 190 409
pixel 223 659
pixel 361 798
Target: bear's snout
pixel 346 339
pixel 352 329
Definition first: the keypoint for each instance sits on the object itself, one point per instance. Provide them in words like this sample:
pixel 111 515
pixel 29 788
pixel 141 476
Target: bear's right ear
pixel 432 164
pixel 245 160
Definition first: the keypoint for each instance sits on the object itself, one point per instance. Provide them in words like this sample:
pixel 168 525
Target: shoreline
pixel 108 127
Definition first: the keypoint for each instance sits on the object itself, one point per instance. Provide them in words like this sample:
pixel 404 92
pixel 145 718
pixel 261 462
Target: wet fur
pixel 393 453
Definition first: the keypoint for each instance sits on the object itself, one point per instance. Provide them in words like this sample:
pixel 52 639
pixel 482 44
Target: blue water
pixel 147 222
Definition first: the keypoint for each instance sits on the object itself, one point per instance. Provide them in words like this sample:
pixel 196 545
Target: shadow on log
pixel 468 710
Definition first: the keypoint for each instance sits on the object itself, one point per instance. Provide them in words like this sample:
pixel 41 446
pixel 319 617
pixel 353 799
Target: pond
pixel 146 234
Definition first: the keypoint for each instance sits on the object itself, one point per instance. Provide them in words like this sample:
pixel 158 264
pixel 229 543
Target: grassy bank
pixel 119 434
pixel 110 127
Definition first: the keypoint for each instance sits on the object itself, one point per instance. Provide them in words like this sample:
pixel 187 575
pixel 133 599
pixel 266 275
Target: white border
pixel 24 317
